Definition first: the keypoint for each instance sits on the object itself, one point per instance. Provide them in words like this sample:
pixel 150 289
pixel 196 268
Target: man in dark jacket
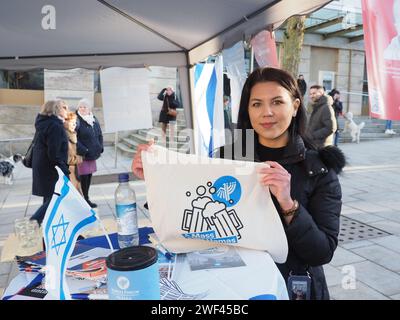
pixel 320 125
pixel 50 150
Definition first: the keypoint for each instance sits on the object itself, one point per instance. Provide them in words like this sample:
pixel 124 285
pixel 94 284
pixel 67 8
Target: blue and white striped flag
pixel 209 109
pixel 67 216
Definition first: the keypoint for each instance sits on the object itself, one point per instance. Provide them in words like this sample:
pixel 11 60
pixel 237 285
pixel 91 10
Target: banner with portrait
pixel 264 47
pixel 381 20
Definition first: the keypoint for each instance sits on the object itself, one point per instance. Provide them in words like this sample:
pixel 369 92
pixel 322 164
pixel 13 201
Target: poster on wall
pixel 381 20
pixel 126 99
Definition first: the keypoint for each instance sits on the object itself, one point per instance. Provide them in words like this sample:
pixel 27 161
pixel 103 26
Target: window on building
pixel 3 79
pixel 327 79
pixel 29 80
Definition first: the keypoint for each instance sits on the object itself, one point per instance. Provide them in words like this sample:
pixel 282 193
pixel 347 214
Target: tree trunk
pixel 292 44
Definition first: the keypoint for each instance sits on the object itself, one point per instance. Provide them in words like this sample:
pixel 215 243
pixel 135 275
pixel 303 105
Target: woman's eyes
pixel 274 102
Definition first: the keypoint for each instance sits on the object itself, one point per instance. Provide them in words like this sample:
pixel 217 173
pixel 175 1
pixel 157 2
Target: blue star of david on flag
pixel 59 230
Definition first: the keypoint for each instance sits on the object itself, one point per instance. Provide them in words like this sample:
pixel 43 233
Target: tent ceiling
pixel 95 33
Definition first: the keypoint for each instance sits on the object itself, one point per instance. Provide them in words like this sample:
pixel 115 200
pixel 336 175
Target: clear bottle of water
pixel 125 205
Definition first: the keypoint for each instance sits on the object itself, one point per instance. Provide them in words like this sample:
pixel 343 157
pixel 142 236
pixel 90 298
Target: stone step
pixel 377 126
pixel 130 143
pixel 343 139
pixel 145 139
pixel 124 148
pixel 131 150
pixel 156 134
pixel 374 130
pixel 365 135
pixel 181 115
pixel 134 140
pixel 369 121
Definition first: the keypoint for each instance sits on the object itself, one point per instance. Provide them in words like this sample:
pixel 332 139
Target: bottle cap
pixel 123 177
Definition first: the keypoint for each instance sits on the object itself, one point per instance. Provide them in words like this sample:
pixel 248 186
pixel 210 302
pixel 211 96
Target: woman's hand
pixel 137 164
pixel 278 180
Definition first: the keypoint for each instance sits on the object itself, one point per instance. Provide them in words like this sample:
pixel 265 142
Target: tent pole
pixel 251 59
pixel 115 149
pixel 187 87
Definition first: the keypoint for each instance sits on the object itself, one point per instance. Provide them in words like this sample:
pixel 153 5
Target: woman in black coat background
pixel 168 97
pixel 89 146
pixel 50 150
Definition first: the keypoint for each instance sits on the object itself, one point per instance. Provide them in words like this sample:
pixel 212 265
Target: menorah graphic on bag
pixel 226 190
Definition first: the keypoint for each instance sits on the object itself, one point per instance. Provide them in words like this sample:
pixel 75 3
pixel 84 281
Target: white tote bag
pixel 197 203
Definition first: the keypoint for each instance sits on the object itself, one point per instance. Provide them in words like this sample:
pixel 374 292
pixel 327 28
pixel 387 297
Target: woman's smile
pixel 268 125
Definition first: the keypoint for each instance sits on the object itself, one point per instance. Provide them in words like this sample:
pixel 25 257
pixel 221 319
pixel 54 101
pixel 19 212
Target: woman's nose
pixel 267 110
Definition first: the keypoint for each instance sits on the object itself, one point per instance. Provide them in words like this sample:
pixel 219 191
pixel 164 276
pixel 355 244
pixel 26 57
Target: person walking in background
pixel 73 158
pixel 388 127
pixel 50 150
pixel 168 112
pixel 338 109
pixel 302 85
pixel 322 124
pixel 89 146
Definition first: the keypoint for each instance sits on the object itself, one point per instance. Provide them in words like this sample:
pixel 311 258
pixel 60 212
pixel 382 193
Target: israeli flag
pixel 209 108
pixel 67 216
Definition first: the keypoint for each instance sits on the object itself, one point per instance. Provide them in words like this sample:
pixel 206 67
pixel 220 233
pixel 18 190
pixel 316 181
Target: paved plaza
pixel 361 268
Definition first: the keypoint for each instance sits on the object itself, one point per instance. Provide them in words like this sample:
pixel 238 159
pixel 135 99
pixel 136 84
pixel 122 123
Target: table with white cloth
pixel 259 278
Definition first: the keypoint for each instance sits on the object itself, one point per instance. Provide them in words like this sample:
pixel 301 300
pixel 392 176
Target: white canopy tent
pixel 134 33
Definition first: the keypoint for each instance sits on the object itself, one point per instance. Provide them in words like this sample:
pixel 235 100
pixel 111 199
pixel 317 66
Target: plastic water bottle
pixel 125 205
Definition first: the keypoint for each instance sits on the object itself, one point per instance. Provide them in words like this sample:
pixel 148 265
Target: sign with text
pixel 126 99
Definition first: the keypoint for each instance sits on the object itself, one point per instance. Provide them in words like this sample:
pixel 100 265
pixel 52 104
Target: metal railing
pixel 14 141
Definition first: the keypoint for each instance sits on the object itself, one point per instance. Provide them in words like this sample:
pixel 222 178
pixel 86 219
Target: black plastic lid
pixel 123 177
pixel 132 258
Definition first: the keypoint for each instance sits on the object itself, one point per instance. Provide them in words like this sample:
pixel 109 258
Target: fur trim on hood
pixel 333 158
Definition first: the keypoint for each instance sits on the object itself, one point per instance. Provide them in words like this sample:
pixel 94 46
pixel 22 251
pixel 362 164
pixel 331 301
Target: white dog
pixel 352 127
pixel 7 166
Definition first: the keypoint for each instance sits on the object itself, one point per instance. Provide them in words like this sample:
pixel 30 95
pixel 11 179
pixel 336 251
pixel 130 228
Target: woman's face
pixel 64 110
pixel 271 109
pixel 84 110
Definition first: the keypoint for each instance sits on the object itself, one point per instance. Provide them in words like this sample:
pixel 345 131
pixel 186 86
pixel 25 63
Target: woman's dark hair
pixel 284 79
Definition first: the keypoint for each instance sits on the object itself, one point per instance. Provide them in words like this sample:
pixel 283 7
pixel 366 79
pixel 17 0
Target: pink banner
pixel 381 20
pixel 265 49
